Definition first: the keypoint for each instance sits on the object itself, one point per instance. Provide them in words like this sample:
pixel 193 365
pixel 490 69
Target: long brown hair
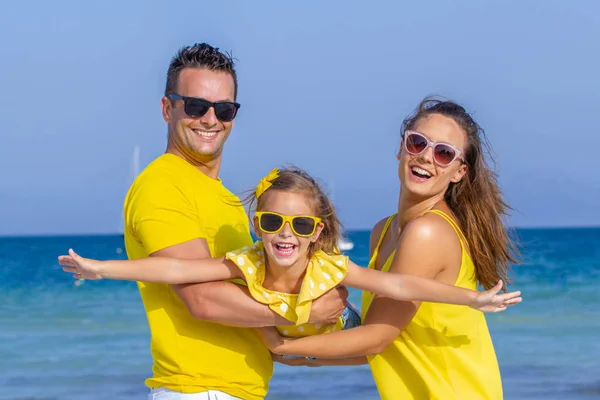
pixel 476 200
pixel 293 179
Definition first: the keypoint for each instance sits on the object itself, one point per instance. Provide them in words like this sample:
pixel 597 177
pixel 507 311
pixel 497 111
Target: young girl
pixel 296 261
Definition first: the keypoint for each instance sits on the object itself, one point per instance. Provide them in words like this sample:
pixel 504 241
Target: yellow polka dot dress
pixel 323 273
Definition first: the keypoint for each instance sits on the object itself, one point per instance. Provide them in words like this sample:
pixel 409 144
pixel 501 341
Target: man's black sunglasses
pixel 196 107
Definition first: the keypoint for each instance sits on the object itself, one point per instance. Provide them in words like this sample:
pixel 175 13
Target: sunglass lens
pixel 443 154
pixel 196 108
pixel 270 222
pixel 225 111
pixel 303 225
pixel 415 143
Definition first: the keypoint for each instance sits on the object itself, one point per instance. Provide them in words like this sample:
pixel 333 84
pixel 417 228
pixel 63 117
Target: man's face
pixel 199 139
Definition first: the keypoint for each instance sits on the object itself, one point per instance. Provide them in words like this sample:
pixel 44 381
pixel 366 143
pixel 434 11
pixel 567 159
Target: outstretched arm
pixel 163 218
pixel 423 251
pixel 151 269
pixel 219 302
pixel 370 338
pixel 232 304
pixel 405 287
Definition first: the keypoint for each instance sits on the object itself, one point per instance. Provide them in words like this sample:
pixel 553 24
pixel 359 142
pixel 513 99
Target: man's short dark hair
pixel 202 56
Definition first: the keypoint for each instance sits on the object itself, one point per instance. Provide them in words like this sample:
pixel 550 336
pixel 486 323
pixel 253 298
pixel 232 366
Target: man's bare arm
pixel 231 304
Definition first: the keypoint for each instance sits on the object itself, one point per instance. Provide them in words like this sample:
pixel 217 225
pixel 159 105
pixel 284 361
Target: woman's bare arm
pixel 424 250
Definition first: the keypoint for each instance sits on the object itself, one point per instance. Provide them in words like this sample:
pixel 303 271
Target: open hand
pixel 491 301
pixel 81 268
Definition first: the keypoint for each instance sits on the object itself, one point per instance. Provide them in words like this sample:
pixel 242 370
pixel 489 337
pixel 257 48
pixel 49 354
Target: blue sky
pixel 323 85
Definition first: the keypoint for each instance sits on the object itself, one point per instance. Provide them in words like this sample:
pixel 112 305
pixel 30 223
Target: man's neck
pixel 210 168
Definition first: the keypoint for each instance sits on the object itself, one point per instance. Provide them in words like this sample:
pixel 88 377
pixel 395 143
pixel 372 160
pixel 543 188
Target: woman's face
pixel 420 174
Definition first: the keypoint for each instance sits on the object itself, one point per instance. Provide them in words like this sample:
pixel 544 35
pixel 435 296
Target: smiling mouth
pixel 420 173
pixel 205 134
pixel 284 249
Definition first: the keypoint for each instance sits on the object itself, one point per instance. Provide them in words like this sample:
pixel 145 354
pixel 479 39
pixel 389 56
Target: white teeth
pixel 285 249
pixel 205 134
pixel 420 171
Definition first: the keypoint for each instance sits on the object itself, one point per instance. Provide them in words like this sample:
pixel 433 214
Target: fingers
pixel 72 259
pixel 66 260
pixel 503 305
pixel 514 301
pixel 70 264
pixel 509 299
pixel 296 362
pixel 508 296
pixel 339 313
pixel 343 292
pixel 75 256
pixel 73 271
pixel 506 304
pixel 293 362
pixel 497 287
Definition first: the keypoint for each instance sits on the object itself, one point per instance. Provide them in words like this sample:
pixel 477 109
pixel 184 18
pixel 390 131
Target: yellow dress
pixel 445 352
pixel 323 273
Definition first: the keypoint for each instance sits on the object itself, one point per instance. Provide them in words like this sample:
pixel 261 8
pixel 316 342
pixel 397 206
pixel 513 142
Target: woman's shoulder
pixel 432 230
pixel 427 246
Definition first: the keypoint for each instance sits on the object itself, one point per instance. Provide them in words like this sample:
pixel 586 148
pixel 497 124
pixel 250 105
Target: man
pixel 178 207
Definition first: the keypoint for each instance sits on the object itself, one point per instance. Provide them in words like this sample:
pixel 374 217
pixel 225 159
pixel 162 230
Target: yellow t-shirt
pixel 172 202
pixel 323 273
pixel 444 353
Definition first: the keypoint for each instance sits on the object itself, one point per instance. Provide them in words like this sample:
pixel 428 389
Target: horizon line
pixel 99 234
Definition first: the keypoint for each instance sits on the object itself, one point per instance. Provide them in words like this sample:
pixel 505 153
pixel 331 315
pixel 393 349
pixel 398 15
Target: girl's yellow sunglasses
pixel 302 225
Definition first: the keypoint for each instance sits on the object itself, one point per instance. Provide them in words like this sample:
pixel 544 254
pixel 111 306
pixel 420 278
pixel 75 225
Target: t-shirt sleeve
pixel 161 215
pixel 251 265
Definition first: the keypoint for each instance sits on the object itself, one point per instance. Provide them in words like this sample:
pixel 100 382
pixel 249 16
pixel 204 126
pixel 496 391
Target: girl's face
pixel 287 226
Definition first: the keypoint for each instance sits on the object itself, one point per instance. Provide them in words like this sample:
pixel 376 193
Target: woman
pixel 448 227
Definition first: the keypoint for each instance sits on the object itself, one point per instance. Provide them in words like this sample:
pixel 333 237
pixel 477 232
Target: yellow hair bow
pixel 265 182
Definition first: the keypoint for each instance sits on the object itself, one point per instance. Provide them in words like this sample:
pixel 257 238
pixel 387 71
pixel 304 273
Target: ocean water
pixel 59 340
